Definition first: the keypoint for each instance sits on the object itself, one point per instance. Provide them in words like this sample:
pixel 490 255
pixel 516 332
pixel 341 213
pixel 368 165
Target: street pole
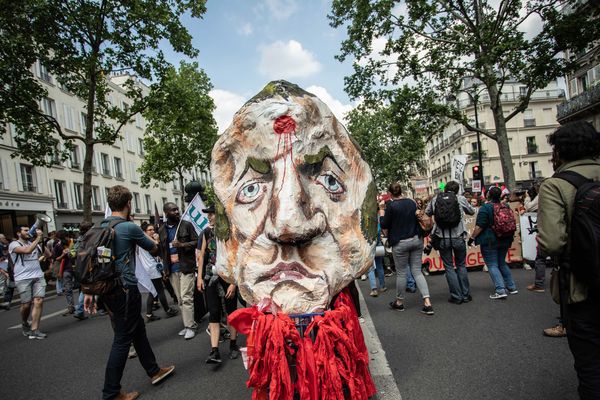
pixel 478 142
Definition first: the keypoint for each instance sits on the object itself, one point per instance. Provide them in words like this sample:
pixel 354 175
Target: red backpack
pixel 504 221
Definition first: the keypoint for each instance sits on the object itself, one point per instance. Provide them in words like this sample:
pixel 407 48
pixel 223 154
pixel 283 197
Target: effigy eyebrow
pixel 312 160
pixel 258 165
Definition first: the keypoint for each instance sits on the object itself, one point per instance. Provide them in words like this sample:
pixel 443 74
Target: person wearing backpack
pixel 447 210
pixel 569 232
pixel 122 298
pixel 494 232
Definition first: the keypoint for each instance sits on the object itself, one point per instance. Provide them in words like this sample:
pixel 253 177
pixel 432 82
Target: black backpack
pixel 95 260
pixel 585 228
pixel 447 210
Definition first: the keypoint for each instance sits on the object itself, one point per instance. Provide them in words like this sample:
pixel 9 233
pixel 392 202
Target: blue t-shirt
pixel 127 236
pixel 171 230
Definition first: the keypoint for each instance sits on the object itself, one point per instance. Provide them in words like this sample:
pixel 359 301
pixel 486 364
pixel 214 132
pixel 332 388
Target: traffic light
pixel 476 173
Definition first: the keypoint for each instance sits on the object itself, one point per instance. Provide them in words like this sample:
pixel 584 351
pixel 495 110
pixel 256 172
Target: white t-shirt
pixel 27 266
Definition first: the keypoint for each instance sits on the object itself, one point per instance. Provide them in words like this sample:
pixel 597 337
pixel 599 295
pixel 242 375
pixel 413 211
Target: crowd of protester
pixel 180 263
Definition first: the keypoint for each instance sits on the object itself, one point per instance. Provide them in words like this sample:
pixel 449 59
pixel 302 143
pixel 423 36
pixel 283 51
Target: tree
pixel 81 43
pixel 181 130
pixel 437 43
pixel 392 135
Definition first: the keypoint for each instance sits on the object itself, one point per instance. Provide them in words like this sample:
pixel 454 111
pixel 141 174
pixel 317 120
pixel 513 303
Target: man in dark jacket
pixel 575 147
pixel 178 241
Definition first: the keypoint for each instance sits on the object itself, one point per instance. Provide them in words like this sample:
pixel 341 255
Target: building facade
pixel 584 83
pixel 527 134
pixel 58 191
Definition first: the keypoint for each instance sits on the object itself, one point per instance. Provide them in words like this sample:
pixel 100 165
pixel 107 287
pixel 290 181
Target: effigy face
pixel 296 210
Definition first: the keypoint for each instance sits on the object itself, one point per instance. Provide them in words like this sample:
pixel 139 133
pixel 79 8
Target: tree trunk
pixel 180 173
pixel 89 147
pixel 502 139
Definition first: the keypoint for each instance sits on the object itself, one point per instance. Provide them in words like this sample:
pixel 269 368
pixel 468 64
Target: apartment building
pixel 584 83
pixel 527 135
pixel 58 191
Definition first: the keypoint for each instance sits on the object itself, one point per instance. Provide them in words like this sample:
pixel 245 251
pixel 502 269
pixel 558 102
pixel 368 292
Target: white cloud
pixel 227 103
pixel 338 109
pixel 281 9
pixel 287 60
pixel 246 29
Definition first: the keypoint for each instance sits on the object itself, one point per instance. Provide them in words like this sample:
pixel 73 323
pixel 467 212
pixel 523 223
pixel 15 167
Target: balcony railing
pixel 106 172
pixel 474 155
pixel 138 210
pixel 97 207
pixel 581 102
pixel 532 149
pixel 62 205
pixel 541 94
pixel 528 123
pixel 29 188
pixel 538 174
pixel 79 206
pixel 75 166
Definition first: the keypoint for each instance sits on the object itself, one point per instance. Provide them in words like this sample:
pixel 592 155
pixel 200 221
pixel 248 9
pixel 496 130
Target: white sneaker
pixel 189 334
pixel 363 278
pixel 182 332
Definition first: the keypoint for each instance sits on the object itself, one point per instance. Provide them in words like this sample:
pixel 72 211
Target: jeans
pixel 583 333
pixel 540 270
pixel 67 284
pixel 125 307
pixel 79 305
pixel 495 259
pixel 407 255
pixel 458 281
pixel 59 285
pixel 377 270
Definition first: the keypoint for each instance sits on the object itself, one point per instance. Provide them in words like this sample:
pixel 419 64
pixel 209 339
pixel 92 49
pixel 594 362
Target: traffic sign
pixel 476 185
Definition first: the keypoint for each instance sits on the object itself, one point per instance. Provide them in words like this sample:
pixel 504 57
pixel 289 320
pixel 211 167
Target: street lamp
pixel 474 99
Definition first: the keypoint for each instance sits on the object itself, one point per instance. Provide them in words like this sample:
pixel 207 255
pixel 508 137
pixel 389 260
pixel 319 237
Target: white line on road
pixel 54 314
pixel 387 389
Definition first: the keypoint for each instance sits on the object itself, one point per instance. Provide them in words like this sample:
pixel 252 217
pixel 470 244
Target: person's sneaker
pixel 527 267
pixel 5 307
pixel 132 353
pixel 171 312
pixel 80 317
pixel 127 396
pixel 155 306
pixel 382 290
pixel 427 310
pixel 182 332
pixel 411 290
pixel 454 301
pixel 189 334
pixel 162 374
pixel 234 352
pixel 37 334
pixel 468 299
pixel 101 313
pixel 361 320
pixel 152 317
pixel 26 329
pixel 535 288
pixel 497 296
pixel 485 268
pixel 388 273
pixel 513 291
pixel 374 293
pixel 556 331
pixel 214 357
pixel 395 306
pixel 363 277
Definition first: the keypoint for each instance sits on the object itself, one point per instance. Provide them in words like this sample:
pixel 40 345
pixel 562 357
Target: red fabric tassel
pixel 337 359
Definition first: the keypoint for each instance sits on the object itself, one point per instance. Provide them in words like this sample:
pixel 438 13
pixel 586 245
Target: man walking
pixel 575 152
pixel 178 242
pixel 29 280
pixel 448 210
pixel 124 302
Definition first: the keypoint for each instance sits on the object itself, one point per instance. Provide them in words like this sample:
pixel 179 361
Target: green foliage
pixel 434 44
pixel 181 130
pixel 81 42
pixel 209 194
pixel 392 135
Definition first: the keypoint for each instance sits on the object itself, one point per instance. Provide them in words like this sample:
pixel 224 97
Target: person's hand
pixel 3 272
pixel 382 205
pixel 39 233
pixel 155 236
pixel 175 243
pixel 230 291
pixel 470 242
pixel 89 305
pixel 200 285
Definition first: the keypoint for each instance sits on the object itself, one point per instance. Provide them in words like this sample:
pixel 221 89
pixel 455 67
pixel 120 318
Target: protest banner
pixel 529 235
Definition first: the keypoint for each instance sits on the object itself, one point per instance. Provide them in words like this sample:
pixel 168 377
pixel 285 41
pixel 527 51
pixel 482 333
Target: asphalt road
pixel 482 350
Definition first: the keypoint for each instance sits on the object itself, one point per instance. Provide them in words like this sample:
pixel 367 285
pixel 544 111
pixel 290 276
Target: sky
pixel 246 44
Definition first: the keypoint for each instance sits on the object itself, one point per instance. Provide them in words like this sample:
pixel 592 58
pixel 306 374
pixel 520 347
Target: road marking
pixel 54 314
pixel 387 389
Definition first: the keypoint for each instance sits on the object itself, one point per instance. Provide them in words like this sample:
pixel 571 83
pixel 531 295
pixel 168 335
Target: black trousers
pixel 214 301
pixel 583 332
pixel 124 306
pixel 160 292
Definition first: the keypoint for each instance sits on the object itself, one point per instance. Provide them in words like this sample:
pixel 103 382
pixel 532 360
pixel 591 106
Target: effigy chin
pixel 296 224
